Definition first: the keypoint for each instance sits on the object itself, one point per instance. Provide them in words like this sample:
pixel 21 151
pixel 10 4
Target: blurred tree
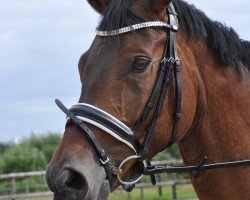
pixel 3 147
pixel 32 154
pixel 174 152
pixel 1 165
pixel 46 144
pixel 168 154
pixel 22 158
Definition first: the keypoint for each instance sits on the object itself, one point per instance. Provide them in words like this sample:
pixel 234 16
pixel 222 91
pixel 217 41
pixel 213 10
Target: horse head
pixel 130 103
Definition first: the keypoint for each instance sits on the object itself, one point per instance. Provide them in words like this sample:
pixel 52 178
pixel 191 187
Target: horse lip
pixel 48 179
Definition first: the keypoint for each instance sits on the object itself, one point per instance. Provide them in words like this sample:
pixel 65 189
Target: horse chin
pixel 100 188
pixel 104 191
pixel 101 194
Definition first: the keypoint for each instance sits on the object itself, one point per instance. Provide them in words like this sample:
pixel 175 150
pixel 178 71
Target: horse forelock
pixel 118 14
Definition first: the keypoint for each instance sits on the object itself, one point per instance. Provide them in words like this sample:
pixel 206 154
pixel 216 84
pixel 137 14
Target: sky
pixel 40 45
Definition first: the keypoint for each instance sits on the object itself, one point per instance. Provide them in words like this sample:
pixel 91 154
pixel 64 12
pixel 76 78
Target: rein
pixel 169 67
pixel 197 169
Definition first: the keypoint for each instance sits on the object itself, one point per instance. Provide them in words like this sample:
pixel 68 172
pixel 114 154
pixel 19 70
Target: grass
pixel 183 191
pixel 39 198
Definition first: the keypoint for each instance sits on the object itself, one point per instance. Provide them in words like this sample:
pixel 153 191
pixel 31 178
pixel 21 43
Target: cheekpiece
pixel 136 27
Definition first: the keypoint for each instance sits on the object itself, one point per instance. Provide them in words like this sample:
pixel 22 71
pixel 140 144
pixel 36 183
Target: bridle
pixel 169 67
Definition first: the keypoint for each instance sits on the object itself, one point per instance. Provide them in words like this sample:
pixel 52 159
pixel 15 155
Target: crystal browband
pixel 136 27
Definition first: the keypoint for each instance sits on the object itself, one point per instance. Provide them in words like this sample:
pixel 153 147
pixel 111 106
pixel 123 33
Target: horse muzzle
pixel 70 183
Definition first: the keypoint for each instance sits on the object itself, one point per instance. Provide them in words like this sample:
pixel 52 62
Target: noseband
pixel 169 67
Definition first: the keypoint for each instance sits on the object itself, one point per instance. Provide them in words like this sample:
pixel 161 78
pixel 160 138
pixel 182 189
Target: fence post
pixel 27 189
pixel 13 187
pixel 129 195
pixel 142 193
pixel 174 186
pixel 158 179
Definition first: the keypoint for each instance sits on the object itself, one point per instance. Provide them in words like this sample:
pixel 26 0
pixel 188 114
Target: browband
pixel 136 27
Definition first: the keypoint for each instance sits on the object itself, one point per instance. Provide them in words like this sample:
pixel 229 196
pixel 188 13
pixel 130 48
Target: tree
pixel 3 148
pixel 168 154
pixel 22 158
pixel 31 154
pixel 45 143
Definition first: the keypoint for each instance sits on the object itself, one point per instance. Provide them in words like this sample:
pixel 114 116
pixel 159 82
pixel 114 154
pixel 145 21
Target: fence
pixel 13 177
pixel 173 184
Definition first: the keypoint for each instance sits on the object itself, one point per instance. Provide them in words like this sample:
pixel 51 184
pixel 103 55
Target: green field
pixel 183 191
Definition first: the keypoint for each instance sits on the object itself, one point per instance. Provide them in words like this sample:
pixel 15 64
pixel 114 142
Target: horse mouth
pixel 102 194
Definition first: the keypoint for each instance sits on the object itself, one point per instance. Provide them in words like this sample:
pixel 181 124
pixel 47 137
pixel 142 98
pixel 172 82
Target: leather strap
pixel 170 63
pixel 90 136
pixel 157 169
pixel 178 87
pixel 153 96
pixel 177 112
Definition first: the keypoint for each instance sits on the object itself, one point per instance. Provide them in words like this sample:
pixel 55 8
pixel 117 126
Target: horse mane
pixel 228 48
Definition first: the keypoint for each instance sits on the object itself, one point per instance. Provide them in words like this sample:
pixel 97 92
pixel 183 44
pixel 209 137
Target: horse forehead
pixel 106 53
pixel 103 45
pixel 98 65
pixel 100 55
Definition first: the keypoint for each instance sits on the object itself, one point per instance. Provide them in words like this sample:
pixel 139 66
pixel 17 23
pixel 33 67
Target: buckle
pixel 105 161
pixel 175 28
pixel 134 157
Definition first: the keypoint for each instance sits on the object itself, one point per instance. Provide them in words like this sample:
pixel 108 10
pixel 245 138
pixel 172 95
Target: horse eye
pixel 139 64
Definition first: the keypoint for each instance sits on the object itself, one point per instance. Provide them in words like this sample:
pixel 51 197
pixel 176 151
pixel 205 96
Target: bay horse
pixel 132 85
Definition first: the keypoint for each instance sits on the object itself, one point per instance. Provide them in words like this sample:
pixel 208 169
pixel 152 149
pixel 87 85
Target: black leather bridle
pixel 169 67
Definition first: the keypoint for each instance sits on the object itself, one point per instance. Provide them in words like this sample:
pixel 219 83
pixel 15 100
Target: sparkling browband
pixel 136 27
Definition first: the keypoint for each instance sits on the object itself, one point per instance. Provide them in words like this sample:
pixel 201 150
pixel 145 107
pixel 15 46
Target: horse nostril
pixel 75 180
pixel 72 182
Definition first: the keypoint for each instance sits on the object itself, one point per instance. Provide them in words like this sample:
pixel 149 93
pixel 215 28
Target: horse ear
pixel 158 5
pixel 99 5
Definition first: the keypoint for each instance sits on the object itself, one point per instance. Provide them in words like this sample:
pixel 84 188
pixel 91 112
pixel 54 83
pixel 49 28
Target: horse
pixel 155 75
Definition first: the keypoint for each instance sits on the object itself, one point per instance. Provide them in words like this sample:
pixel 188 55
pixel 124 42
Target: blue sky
pixel 40 44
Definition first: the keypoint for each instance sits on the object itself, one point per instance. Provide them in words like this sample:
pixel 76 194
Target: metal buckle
pixel 105 161
pixel 120 168
pixel 175 28
pixel 171 60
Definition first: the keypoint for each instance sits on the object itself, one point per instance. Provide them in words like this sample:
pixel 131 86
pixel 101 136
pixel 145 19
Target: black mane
pixel 225 42
pixel 229 49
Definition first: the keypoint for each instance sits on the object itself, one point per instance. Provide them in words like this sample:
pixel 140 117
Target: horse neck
pixel 220 128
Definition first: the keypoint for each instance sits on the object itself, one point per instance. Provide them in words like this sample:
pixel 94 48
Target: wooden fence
pixel 13 177
pixel 173 184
